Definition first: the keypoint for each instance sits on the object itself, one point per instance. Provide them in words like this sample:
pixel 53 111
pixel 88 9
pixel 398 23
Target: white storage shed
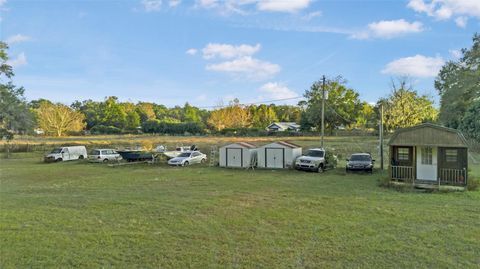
pixel 240 154
pixel 279 154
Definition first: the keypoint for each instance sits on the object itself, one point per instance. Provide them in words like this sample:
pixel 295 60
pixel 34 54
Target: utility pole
pixel 323 108
pixel 381 135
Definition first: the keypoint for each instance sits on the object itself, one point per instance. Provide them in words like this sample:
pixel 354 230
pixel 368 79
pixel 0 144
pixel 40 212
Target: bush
pixel 473 184
pixel 102 129
pixel 161 127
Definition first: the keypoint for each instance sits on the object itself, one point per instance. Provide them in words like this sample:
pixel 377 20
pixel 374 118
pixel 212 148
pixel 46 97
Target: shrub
pixel 473 184
pixel 102 129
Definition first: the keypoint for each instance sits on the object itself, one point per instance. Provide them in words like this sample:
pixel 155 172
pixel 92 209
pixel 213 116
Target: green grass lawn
pixel 91 215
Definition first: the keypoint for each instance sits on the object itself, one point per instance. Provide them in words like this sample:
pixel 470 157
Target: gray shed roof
pixel 428 134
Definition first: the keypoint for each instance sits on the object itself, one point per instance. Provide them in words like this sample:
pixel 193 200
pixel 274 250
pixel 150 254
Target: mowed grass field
pixel 76 214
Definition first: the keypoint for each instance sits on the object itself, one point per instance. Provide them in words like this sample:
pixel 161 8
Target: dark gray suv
pixel 360 162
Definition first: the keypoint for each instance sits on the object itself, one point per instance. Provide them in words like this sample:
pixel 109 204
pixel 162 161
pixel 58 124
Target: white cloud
pixel 446 9
pixel 174 3
pixel 246 67
pixel 152 5
pixel 282 5
pixel 389 29
pixel 461 22
pixel 2 2
pixel 312 15
pixel 226 51
pixel 275 90
pixel 235 6
pixel 415 66
pixel 17 39
pixel 191 51
pixel 20 60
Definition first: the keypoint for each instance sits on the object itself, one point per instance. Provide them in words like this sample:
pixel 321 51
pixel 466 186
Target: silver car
pixel 104 155
pixel 188 158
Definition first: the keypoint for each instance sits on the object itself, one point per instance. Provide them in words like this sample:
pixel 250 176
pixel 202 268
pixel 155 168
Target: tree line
pixel 458 85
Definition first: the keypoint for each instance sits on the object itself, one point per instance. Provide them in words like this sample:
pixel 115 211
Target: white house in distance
pixel 239 155
pixel 279 154
pixel 283 126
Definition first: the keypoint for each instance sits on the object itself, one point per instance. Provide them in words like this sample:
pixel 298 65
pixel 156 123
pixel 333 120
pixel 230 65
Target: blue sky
pixel 210 51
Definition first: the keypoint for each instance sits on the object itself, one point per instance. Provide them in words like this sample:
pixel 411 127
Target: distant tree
pixel 232 116
pixel 366 117
pixel 112 113
pixel 405 108
pixel 190 114
pixel 59 119
pixel 470 124
pixel 132 117
pixel 262 115
pixel 146 111
pixel 458 84
pixel 288 113
pixel 15 115
pixel 91 110
pixel 341 104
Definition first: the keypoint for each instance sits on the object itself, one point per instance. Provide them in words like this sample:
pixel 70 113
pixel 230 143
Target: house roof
pixel 285 143
pixel 428 134
pixel 243 144
pixel 285 125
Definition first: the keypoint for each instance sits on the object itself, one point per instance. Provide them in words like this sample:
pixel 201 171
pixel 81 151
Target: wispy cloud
pixel 276 90
pixel 227 51
pixel 240 6
pixel 246 67
pixel 191 51
pixel 389 29
pixel 152 5
pixel 17 39
pixel 415 66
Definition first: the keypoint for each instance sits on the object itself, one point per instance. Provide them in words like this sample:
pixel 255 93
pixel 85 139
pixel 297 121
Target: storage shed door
pixel 234 157
pixel 427 163
pixel 274 157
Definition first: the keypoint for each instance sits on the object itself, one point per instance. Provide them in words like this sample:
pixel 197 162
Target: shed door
pixel 274 158
pixel 234 157
pixel 427 163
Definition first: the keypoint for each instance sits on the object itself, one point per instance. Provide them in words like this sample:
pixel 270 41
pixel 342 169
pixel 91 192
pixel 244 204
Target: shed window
pixel 427 155
pixel 403 154
pixel 451 155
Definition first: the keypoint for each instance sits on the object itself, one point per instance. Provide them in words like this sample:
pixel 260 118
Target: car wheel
pixel 105 160
pixel 81 157
pixel 320 168
pixel 203 161
pixel 186 163
pixel 59 160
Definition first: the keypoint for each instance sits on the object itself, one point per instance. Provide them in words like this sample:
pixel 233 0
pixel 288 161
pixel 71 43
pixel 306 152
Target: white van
pixel 66 154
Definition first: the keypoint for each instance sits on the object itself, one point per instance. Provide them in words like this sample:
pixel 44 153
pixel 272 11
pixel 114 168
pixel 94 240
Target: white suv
pixel 313 160
pixel 104 155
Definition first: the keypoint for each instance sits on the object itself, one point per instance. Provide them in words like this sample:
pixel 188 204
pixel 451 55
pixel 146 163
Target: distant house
pixel 429 154
pixel 283 126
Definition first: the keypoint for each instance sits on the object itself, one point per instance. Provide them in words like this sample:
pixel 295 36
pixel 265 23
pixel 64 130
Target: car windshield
pixel 185 154
pixel 95 152
pixel 315 153
pixel 364 158
pixel 57 150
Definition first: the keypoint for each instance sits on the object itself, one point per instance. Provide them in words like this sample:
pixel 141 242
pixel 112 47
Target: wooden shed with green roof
pixel 429 154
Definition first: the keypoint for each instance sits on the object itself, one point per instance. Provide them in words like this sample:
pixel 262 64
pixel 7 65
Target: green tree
pixel 262 115
pixel 458 84
pixel 470 124
pixel 15 115
pixel 146 111
pixel 405 108
pixel 366 117
pixel 132 117
pixel 112 113
pixel 341 104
